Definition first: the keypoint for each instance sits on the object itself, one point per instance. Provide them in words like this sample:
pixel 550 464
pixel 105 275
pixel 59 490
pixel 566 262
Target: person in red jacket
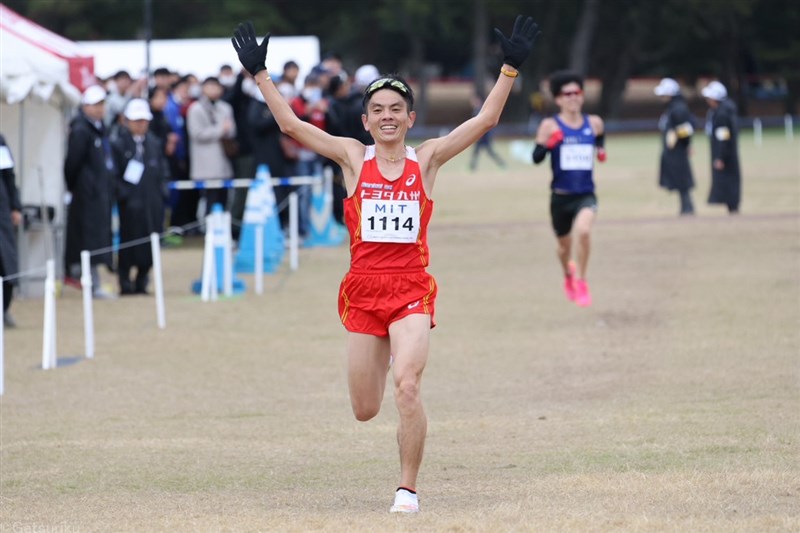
pixel 387 299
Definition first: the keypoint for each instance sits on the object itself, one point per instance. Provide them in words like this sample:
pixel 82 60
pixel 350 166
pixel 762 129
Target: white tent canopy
pixel 41 74
pixel 201 57
pixel 37 62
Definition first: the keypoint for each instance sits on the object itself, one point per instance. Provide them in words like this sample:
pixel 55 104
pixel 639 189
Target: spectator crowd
pixel 131 137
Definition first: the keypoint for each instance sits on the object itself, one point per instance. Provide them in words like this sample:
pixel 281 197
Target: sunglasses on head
pixel 386 83
pixel 577 92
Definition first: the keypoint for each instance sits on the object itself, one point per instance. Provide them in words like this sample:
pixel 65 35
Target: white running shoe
pixel 405 501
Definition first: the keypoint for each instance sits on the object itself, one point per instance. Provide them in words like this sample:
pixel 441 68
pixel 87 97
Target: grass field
pixel 671 404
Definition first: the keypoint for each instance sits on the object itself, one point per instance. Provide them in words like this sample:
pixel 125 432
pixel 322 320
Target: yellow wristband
pixel 509 73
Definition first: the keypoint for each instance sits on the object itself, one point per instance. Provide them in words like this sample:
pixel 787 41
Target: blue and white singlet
pixel 573 160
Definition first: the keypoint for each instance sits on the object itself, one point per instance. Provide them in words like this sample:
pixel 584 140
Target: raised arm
pixel 253 57
pixel 516 50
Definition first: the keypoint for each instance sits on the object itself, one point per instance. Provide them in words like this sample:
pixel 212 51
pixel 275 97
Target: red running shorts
pixel 370 302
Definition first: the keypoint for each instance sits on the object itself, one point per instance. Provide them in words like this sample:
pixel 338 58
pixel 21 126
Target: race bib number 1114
pixel 389 221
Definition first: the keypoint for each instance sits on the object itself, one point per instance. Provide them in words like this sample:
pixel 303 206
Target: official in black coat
pixel 142 174
pixel 10 216
pixel 722 127
pixel 267 149
pixel 346 110
pixel 240 96
pixel 89 173
pixel 677 127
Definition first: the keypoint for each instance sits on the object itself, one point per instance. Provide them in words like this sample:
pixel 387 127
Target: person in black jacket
pixel 142 174
pixel 159 125
pixel 677 128
pixel 345 114
pixel 267 149
pixel 10 217
pixel 722 128
pixel 89 173
pixel 239 96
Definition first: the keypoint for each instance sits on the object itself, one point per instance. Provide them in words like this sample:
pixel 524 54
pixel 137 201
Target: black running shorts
pixel 565 207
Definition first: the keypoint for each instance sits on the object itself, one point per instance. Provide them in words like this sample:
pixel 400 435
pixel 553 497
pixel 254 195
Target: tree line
pixel 741 42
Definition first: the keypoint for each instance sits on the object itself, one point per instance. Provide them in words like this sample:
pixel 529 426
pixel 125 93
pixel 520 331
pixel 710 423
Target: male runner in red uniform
pixel 387 298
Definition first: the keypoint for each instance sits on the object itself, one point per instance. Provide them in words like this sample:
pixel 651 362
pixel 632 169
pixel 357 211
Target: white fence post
pixel 208 286
pixel 225 242
pixel 158 279
pixel 49 357
pixel 259 258
pixel 88 314
pixel 757 131
pixel 293 231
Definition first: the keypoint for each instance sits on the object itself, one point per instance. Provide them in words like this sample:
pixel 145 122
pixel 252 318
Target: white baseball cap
pixel 138 109
pixel 93 95
pixel 667 87
pixel 715 90
pixel 365 75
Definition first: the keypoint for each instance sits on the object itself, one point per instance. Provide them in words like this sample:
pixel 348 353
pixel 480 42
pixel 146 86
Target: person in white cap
pixel 89 175
pixel 677 127
pixel 722 127
pixel 365 74
pixel 142 174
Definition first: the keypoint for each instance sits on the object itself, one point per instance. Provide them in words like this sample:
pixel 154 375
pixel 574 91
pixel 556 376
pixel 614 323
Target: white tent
pixel 41 76
pixel 201 57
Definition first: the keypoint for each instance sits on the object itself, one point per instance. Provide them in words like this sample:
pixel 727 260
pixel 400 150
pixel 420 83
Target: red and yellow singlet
pixel 388 225
pixel 388 220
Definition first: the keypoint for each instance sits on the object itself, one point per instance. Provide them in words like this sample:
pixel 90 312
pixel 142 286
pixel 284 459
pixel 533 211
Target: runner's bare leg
pixel 410 342
pixel 582 229
pixel 367 364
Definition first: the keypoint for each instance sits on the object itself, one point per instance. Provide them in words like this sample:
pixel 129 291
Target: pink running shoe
pixel 582 296
pixel 569 282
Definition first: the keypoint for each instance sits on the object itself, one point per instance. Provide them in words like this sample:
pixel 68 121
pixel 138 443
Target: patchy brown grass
pixel 669 405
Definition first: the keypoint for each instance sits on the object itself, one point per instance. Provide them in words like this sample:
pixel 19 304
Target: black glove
pixel 252 55
pixel 517 48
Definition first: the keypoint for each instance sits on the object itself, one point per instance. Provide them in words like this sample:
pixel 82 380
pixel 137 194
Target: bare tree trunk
pixel 734 67
pixel 584 34
pixel 480 40
pixel 615 79
pixel 420 72
pixel 793 92
pixel 416 68
pixel 543 51
pixel 614 87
